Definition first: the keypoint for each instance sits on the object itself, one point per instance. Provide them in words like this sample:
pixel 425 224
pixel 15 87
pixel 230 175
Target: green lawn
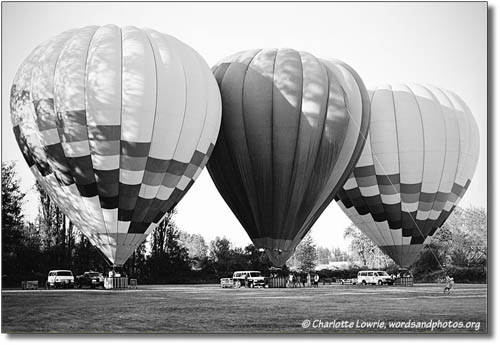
pixel 208 308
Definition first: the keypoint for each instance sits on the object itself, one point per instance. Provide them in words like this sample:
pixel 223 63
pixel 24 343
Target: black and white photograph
pixel 240 168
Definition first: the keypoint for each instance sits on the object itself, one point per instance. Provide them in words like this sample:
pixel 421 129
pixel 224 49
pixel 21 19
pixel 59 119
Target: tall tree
pixel 56 230
pixel 364 250
pixel 220 249
pixel 306 254
pixel 220 256
pixel 257 259
pixel 168 256
pixel 324 255
pixel 12 201
pixel 469 232
pixel 86 256
pixel 195 244
pixel 136 265
pixel 13 258
pixel 159 234
pixel 462 240
pixel 196 247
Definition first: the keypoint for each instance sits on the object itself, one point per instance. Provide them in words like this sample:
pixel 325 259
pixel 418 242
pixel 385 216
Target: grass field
pixel 210 309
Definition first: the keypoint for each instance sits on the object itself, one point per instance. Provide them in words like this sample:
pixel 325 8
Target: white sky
pixel 435 43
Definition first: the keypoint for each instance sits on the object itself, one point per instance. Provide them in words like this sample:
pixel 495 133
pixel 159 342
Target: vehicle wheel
pixel 237 284
pixel 379 282
pixel 363 282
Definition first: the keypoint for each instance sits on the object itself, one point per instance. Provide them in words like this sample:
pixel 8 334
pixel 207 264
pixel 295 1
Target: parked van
pixel 248 279
pixel 375 278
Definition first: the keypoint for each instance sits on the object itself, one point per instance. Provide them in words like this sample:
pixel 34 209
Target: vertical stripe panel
pixel 258 121
pixel 286 99
pixel 196 105
pixel 171 103
pixel 411 146
pixel 104 77
pixel 383 133
pixel 138 87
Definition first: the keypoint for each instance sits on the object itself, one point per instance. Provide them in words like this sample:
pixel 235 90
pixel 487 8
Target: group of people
pixel 302 280
pixel 401 275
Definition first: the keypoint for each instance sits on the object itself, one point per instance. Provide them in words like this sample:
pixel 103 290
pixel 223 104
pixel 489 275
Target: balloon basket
pixel 277 282
pixel 403 281
pixel 115 280
pixel 116 283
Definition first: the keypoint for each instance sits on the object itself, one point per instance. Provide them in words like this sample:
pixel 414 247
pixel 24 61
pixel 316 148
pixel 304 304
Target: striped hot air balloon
pixel 419 158
pixel 116 124
pixel 292 129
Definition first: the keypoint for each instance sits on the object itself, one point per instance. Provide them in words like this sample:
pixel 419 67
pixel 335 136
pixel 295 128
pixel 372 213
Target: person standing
pixel 316 280
pixel 449 285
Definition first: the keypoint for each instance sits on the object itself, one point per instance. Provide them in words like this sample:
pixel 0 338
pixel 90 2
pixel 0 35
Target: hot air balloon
pixel 292 129
pixel 116 124
pixel 417 163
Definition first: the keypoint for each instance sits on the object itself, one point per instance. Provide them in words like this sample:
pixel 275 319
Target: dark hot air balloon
pixel 292 129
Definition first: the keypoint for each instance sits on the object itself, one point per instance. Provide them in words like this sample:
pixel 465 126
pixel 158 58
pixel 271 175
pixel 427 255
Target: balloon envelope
pixel 116 124
pixel 292 129
pixel 417 163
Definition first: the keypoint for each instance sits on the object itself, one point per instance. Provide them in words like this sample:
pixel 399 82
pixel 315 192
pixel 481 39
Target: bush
pixel 459 275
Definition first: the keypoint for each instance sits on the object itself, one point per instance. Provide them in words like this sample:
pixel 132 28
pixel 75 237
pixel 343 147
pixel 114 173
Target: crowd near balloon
pixel 116 124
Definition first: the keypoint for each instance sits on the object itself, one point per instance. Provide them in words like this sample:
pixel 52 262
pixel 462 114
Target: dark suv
pixel 90 279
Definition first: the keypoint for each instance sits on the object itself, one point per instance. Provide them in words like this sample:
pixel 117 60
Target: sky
pixel 443 44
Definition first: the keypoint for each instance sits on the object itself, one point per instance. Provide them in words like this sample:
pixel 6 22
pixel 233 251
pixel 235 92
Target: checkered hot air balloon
pixel 293 127
pixel 419 158
pixel 116 124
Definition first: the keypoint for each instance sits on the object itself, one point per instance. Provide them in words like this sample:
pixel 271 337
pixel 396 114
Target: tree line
pixel 170 255
pixel 31 249
pixel 459 248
